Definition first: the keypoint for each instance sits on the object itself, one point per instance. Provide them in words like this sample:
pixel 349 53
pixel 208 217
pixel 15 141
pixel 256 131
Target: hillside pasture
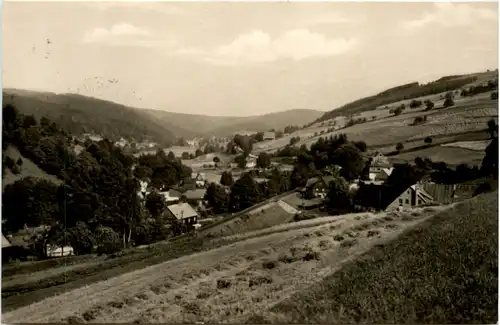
pixel 470 145
pixel 444 271
pixel 208 286
pixel 450 155
pixel 28 169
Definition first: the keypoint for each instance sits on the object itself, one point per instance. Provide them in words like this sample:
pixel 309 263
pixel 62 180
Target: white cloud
pixel 117 34
pixel 258 46
pixel 452 15
pixel 333 18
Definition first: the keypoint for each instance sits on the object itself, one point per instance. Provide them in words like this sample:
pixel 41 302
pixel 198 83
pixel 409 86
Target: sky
pixel 240 59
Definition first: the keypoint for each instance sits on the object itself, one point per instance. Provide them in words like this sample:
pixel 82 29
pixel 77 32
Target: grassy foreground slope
pixel 443 271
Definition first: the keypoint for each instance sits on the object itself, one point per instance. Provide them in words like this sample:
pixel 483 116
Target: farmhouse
pixel 196 197
pixel 268 136
pixel 413 196
pixel 317 187
pixel 380 167
pixel 182 212
pixel 199 179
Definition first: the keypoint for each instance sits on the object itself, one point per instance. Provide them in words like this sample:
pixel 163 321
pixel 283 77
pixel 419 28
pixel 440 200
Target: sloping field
pixel 471 145
pixel 28 168
pixel 266 216
pixel 469 114
pixel 450 155
pixel 229 284
pixel 445 271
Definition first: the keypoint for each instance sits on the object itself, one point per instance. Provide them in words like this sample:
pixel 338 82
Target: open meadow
pixel 207 286
pixel 467 116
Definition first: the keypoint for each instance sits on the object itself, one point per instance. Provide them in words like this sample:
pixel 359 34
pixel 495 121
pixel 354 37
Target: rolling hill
pixel 79 114
pixel 408 91
pixel 228 125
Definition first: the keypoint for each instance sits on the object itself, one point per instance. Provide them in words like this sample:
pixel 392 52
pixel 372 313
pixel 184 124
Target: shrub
pixel 349 243
pixel 303 216
pixel 338 238
pixel 372 233
pixel 223 283
pixel 19 162
pixel 309 256
pixel 260 279
pixel 108 241
pixel 494 95
pixel 399 146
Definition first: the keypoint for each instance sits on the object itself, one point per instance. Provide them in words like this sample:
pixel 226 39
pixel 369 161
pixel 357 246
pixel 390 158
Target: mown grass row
pixel 443 271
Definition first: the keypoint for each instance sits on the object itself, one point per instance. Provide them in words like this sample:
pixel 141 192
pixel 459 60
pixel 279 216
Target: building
pixel 171 196
pixel 199 179
pixel 412 197
pixel 317 187
pixel 269 136
pixel 251 163
pixel 380 167
pixel 196 197
pixel 182 212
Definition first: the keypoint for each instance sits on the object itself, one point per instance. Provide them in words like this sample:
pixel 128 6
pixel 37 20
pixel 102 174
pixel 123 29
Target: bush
pixel 19 162
pixel 399 146
pixel 428 140
pixel 494 95
pixel 108 241
pixel 303 216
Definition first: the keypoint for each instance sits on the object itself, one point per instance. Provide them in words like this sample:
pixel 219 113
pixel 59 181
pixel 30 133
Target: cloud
pixel 259 47
pixel 452 15
pixel 119 34
pixel 332 18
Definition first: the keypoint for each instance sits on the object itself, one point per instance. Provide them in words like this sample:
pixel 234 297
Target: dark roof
pixel 197 194
pixel 326 179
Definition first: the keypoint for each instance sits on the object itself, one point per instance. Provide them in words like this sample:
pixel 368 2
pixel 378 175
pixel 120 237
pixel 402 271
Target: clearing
pixel 207 286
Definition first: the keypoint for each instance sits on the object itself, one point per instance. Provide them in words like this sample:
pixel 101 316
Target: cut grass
pixel 443 271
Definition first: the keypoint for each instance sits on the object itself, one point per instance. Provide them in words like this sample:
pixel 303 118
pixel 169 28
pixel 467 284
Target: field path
pixel 228 284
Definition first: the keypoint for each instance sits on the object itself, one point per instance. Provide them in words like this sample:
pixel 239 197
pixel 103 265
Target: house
pixel 199 179
pixel 317 187
pixel 269 136
pixel 261 180
pixel 182 212
pixel 413 196
pixel 380 167
pixel 171 196
pixel 196 196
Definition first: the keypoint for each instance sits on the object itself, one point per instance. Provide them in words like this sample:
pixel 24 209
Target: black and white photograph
pixel 208 162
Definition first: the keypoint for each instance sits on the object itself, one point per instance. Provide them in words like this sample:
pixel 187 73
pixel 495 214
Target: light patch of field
pixel 469 114
pixel 228 284
pixel 450 155
pixel 178 150
pixel 471 145
pixel 27 169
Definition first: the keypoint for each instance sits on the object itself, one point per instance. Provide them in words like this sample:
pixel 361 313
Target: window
pixel 407 201
pixel 419 201
pixel 400 201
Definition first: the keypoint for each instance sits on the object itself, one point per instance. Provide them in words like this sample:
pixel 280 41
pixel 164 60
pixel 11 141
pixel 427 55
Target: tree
pixel 80 238
pixel 403 176
pixel 30 201
pixel 185 155
pixel 492 128
pixel 171 156
pixel 361 145
pixel 415 103
pixel 227 178
pixel 399 110
pixel 494 95
pixel 241 161
pixel 216 160
pixel 429 105
pixel 217 198
pixel 448 102
pixel 338 198
pixel 263 161
pixel 245 192
pixel 428 140
pixel 198 152
pixel 294 140
pixel 489 165
pixel 259 137
pixel 349 157
pixel 155 203
pixel 399 146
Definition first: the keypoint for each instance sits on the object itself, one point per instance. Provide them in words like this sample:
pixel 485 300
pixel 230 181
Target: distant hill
pixel 408 91
pixel 223 125
pixel 80 114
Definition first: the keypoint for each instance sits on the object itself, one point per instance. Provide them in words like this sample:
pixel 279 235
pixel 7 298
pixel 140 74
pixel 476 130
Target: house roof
pixel 169 197
pixel 5 242
pixel 197 194
pixel 326 179
pixel 311 181
pixel 182 211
